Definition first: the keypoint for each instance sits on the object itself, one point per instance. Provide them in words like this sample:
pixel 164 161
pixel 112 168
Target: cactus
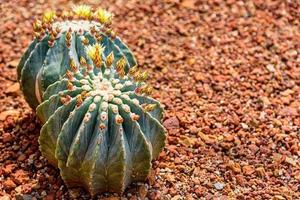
pixel 100 126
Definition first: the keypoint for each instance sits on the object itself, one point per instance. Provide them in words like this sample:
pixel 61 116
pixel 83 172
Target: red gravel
pixel 228 73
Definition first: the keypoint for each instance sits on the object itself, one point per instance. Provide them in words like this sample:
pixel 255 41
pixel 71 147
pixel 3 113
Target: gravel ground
pixel 228 73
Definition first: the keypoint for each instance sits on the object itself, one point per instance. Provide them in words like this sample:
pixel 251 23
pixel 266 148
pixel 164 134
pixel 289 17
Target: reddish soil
pixel 228 73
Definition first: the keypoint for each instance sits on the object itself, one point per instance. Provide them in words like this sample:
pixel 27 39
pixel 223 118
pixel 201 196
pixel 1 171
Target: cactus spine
pixel 100 126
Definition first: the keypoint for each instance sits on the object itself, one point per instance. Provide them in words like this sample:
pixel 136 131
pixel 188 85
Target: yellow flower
pixel 94 52
pixel 83 11
pixel 103 16
pixel 48 16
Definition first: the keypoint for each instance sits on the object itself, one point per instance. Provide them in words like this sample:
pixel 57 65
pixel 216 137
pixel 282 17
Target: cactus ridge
pixel 100 126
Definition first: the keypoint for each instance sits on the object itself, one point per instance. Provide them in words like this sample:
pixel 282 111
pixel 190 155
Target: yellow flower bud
pixel 103 16
pixel 48 17
pixel 94 52
pixel 83 11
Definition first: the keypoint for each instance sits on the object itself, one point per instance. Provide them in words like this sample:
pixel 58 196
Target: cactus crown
pixel 101 127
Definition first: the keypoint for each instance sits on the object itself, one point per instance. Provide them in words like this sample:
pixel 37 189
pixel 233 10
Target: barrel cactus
pixel 100 126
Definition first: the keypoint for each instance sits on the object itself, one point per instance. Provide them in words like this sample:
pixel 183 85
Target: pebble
pixel 143 192
pixel 22 157
pixel 13 63
pixel 9 184
pixel 248 170
pixel 171 123
pixel 5 114
pixel 240 180
pixel 13 89
pixel 6 137
pixel 260 172
pixel 24 197
pixel 5 197
pixel 245 126
pixel 176 197
pixel 8 169
pixel 271 68
pixel 219 186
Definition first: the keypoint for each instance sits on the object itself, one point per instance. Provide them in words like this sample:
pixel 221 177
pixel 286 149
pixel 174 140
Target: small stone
pixel 151 177
pixel 226 145
pixel 5 114
pixel 245 126
pixel 188 141
pixel 279 197
pixel 155 195
pixel 219 186
pixel 200 191
pixel 270 67
pixel 292 53
pixel 260 171
pixel 13 63
pixel 253 148
pixel 194 130
pixel 291 161
pixel 229 138
pixel 191 61
pixel 287 92
pixel 8 169
pixel 199 77
pixel 50 196
pixel 24 197
pixel 265 101
pixel 9 184
pixel 20 176
pixel 6 137
pixel 44 193
pixel 248 170
pixel 176 197
pixel 208 90
pixel 74 193
pixel 170 178
pixel 177 160
pixel 171 123
pixel 5 197
pixel 14 88
pixel 240 180
pixel 206 138
pixel 132 197
pixel 288 111
pixel 111 198
pixel 22 157
pixel 143 191
pixel 235 167
pixel 18 189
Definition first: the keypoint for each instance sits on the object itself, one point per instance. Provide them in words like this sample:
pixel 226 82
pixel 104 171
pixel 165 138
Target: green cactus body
pixel 100 128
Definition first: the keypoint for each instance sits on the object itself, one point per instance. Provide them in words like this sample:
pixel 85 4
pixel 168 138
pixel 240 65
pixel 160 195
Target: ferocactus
pixel 100 126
